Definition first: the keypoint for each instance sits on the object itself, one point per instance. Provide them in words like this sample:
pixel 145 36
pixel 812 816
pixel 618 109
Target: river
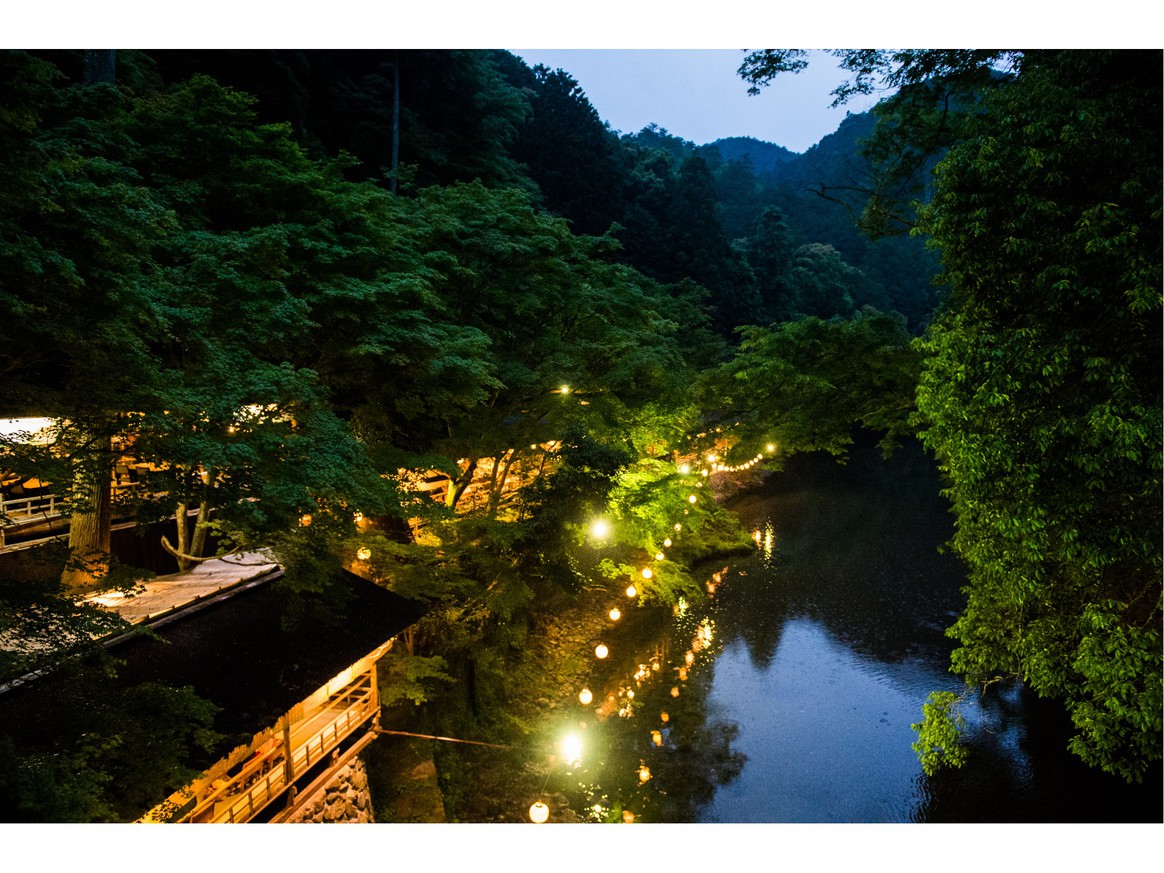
pixel 788 695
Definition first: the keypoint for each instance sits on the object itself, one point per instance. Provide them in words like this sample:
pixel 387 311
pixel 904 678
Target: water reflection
pixel 787 695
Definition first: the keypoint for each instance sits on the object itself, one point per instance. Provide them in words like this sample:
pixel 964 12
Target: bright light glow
pixel 664 717
pixel 702 472
pixel 685 469
pixel 565 389
pixel 657 738
pixel 644 773
pixel 600 529
pixel 539 813
pixel 305 520
pixel 33 429
pixel 631 591
pixel 678 526
pixel 689 658
pixel 364 553
pixel 572 749
pixel 600 651
pixel 771 447
pixel 667 542
pixel 647 573
pixel 713 458
pixel 682 674
pixel 584 697
pixel 659 556
pixel 675 691
pixel 692 498
pixel 615 615
pixel 628 817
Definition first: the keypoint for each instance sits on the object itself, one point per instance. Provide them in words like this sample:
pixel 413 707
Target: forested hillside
pixel 295 284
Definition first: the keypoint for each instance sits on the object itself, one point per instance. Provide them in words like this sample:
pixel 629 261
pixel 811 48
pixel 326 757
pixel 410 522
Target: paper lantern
pixel 600 651
pixel 363 553
pixel 539 813
pixel 631 591
pixel 584 696
pixel 615 615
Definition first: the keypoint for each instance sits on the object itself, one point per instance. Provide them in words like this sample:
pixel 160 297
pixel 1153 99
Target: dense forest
pixel 298 282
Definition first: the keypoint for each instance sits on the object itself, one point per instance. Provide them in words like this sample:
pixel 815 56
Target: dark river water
pixel 788 695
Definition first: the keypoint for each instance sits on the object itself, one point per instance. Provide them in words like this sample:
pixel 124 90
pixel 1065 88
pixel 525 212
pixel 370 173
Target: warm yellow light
pixel 675 691
pixel 664 717
pixel 631 591
pixel 600 651
pixel 692 498
pixel 647 573
pixel 572 749
pixel 683 674
pixel 684 468
pixel 702 472
pixel 539 813
pixel 678 526
pixel 600 529
pixel 364 553
pixel 565 389
pixel 713 458
pixel 630 694
pixel 657 738
pixel 644 773
pixel 689 658
pixel 584 697
pixel 628 817
pixel 305 520
pixel 615 615
pixel 771 447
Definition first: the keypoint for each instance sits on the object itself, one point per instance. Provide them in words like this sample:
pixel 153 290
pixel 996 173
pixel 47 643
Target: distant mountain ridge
pixel 765 156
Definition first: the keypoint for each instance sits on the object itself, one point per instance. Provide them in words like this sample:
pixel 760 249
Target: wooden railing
pixel 312 738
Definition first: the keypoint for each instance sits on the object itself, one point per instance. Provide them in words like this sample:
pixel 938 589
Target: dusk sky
pixel 696 94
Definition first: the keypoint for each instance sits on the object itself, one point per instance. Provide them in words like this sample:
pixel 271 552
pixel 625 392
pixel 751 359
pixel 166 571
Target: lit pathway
pixel 166 594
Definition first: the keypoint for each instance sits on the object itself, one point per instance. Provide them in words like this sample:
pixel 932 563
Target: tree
pixel 1041 392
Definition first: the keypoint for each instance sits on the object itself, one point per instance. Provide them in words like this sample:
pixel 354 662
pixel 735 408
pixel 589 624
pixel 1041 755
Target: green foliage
pixel 939 734
pixel 1041 392
pixel 410 677
pixel 804 384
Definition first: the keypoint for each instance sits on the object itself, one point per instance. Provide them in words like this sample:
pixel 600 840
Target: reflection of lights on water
pixel 572 749
pixel 584 696
pixel 768 540
pixel 690 658
pixel 756 536
pixel 539 813
pixel 682 606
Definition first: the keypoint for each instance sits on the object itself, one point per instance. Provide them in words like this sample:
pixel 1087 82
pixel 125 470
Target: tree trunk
pixel 498 484
pixel 457 486
pixel 100 66
pixel 90 527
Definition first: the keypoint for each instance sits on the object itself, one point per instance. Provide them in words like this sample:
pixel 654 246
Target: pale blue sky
pixel 695 94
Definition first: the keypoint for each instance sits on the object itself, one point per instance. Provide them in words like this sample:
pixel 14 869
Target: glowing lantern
pixel 628 817
pixel 685 468
pixel 692 498
pixel 644 773
pixel 615 615
pixel 664 717
pixel 539 813
pixel 600 529
pixel 600 651
pixel 678 526
pixel 689 658
pixel 630 694
pixel 675 691
pixel 659 556
pixel 363 553
pixel 584 697
pixel 771 447
pixel 631 591
pixel 305 521
pixel 572 749
pixel 647 573
pixel 683 674
pixel 565 389
pixel 667 542
pixel 657 738
pixel 702 472
pixel 358 517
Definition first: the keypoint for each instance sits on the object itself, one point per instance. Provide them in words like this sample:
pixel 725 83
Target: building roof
pixel 254 654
